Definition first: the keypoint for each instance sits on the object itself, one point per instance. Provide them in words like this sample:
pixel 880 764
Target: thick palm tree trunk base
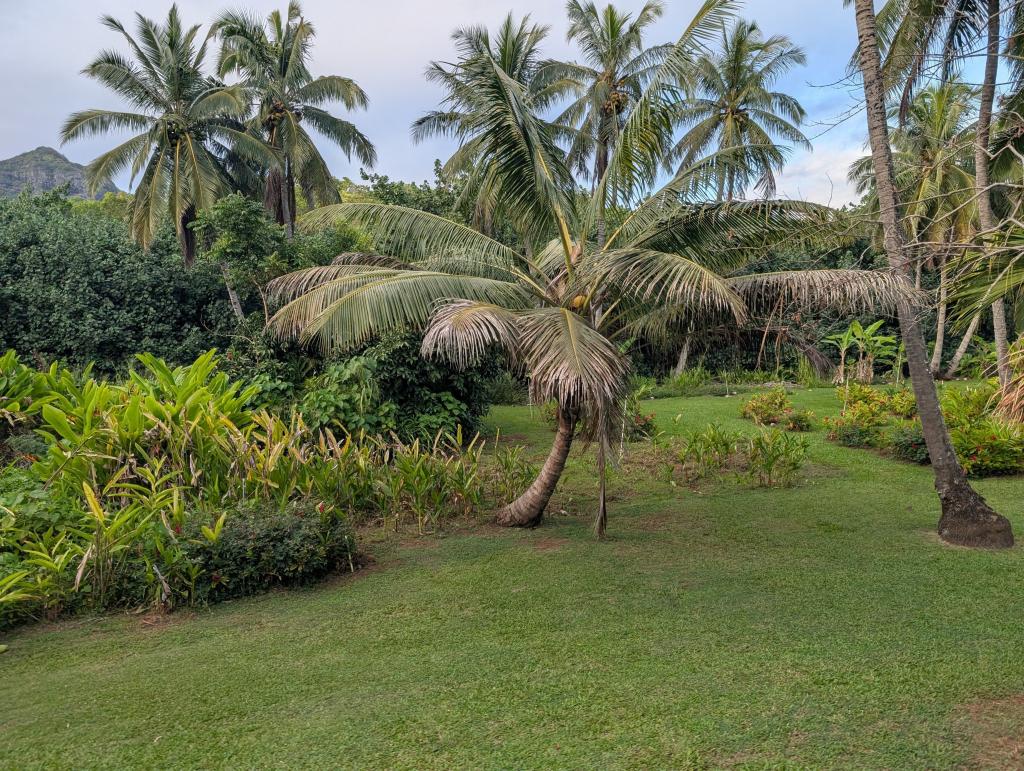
pixel 968 521
pixel 528 509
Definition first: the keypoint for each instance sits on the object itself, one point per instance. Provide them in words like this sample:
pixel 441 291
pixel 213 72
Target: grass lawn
pixel 820 626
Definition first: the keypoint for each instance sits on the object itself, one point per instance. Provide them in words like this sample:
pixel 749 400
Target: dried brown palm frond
pixel 851 291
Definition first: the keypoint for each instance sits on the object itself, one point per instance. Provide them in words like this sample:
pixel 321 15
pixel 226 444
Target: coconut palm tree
pixel 913 34
pixel 966 518
pixel 185 126
pixel 934 170
pixel 668 253
pixel 273 62
pixel 734 106
pixel 616 68
pixel 465 113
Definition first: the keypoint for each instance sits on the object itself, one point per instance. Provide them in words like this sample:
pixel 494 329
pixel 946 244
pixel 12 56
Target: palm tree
pixel 187 124
pixel 913 31
pixel 273 62
pixel 615 71
pixel 734 106
pixel 934 181
pixel 466 115
pixel 966 518
pixel 668 254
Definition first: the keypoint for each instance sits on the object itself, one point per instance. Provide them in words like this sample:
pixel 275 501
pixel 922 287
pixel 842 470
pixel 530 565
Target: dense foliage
pixel 176 487
pixel 75 288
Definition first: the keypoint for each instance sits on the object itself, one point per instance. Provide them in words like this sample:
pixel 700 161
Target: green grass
pixel 820 626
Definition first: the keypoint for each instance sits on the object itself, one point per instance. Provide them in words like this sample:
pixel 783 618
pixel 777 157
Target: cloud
pixel 820 175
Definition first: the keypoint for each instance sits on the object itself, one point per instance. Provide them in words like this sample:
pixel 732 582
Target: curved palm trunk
pixel 966 519
pixel 961 350
pixel 982 140
pixel 528 509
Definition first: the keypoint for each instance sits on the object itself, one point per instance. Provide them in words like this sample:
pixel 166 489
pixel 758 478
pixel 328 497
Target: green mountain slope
pixel 43 169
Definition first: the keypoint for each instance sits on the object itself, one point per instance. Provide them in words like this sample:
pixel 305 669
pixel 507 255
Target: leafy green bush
pixel 901 402
pixel 346 398
pixel 774 458
pixel 708 450
pixel 259 547
pixel 506 388
pixel 799 421
pixel 75 288
pixel 965 406
pixel 989 447
pixel 769 408
pixel 907 442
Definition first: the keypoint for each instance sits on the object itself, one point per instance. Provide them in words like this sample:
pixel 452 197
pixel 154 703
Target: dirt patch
pixel 653 523
pixel 550 544
pixel 993 732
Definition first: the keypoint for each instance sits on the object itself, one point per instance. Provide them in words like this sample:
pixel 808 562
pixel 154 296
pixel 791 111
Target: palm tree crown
pixel 187 124
pixel 616 69
pixel 272 60
pixel 733 107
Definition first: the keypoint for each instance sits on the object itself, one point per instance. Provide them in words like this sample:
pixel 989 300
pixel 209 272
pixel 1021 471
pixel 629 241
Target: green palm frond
pixel 414 235
pixel 663 279
pixel 339 307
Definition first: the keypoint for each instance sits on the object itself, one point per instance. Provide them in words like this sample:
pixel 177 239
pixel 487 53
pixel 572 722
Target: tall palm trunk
pixel 940 320
pixel 961 350
pixel 528 509
pixel 982 140
pixel 187 236
pixel 966 518
pixel 288 198
pixel 600 167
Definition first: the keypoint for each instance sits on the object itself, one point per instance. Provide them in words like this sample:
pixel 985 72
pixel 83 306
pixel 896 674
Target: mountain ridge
pixel 44 169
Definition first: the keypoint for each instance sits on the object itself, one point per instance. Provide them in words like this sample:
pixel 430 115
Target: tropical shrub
pixel 989 447
pixel 965 406
pixel 707 451
pixel 907 443
pixel 901 402
pixel 769 408
pixel 799 421
pixel 259 546
pixel 512 472
pixel 774 458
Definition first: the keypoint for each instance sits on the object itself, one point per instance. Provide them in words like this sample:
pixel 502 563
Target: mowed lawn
pixel 819 626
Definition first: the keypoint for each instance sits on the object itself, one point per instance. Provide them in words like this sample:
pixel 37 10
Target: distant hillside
pixel 43 169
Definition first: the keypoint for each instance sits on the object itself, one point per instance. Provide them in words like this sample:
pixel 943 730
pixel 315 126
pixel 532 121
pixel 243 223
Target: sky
pixel 385 46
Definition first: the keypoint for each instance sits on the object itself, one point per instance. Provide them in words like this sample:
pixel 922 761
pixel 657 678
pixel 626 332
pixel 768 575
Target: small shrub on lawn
pixel 769 408
pixel 989 447
pixel 966 406
pixel 260 547
pixel 907 443
pixel 775 458
pixel 861 423
pixel 799 421
pixel 901 402
pixel 707 451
